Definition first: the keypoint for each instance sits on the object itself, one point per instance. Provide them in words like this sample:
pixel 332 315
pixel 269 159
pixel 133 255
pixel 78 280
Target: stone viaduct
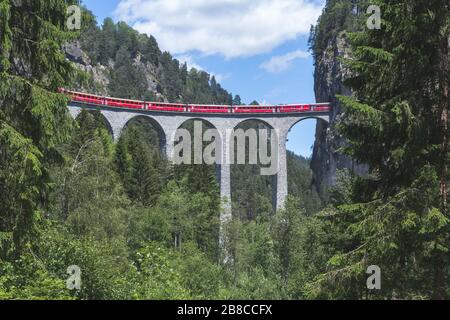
pixel 167 124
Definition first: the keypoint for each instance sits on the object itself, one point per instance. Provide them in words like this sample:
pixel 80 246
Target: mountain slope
pixel 119 61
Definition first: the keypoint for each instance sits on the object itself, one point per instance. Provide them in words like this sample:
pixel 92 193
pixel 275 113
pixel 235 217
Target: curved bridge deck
pixel 126 104
pixel 168 118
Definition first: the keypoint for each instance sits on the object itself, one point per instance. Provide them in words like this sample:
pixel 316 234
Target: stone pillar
pixel 74 111
pixel 281 178
pixel 225 175
pixel 225 192
pixel 170 142
pixel 117 121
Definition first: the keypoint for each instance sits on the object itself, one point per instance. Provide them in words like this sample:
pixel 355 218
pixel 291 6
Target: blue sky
pixel 257 49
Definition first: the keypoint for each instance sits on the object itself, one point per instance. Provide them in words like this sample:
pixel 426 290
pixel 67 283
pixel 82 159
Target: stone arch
pixel 250 173
pixel 162 140
pixel 76 114
pixel 197 137
pixel 322 121
pixel 266 121
pixel 325 120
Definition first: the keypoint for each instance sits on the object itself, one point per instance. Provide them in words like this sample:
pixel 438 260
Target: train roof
pixel 198 105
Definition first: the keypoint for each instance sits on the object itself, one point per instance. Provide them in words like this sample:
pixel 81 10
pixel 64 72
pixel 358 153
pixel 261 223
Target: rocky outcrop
pixel 330 74
pixel 150 71
pixel 75 54
pixel 99 76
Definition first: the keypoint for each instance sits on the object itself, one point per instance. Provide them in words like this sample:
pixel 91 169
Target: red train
pixel 191 108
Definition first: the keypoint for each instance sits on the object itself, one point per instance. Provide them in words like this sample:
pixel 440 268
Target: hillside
pixel 120 62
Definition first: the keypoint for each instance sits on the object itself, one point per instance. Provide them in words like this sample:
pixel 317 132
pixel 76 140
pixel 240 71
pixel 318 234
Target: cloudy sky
pixel 255 48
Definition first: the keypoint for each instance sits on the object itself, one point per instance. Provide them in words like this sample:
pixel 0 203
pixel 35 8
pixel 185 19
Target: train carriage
pixel 167 107
pixel 209 108
pixel 254 109
pixel 124 103
pixel 192 108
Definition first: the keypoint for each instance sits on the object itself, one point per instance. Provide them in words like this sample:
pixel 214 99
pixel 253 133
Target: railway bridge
pixel 168 118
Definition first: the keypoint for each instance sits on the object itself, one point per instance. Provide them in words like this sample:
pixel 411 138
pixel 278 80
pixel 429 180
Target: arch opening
pixel 140 160
pixel 300 147
pixel 253 195
pixel 197 142
pixel 150 129
pixel 89 120
pixel 200 178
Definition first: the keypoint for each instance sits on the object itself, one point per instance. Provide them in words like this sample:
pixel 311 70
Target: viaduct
pixel 279 118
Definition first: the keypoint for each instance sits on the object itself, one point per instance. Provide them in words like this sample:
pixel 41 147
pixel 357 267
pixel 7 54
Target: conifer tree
pixel 237 100
pixel 397 123
pixel 33 116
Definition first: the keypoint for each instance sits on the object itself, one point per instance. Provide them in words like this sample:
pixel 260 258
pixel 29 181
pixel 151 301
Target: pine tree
pixel 397 124
pixel 127 80
pixel 108 45
pixel 237 100
pixel 33 117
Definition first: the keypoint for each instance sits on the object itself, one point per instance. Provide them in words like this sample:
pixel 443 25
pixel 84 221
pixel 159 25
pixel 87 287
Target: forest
pixel 140 228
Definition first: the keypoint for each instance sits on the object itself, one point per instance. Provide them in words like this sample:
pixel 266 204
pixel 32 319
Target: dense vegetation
pixel 397 123
pixel 140 228
pixel 136 226
pixel 132 59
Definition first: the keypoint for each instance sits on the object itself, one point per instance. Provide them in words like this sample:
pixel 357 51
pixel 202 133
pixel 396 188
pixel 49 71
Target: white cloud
pixel 281 63
pixel 189 60
pixel 232 28
pixel 221 77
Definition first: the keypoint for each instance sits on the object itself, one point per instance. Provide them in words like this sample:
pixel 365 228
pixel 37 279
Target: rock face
pixel 150 72
pixel 329 76
pixel 75 54
pixel 99 76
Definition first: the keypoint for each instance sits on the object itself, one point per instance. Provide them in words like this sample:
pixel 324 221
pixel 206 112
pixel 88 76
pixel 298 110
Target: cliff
pixel 329 43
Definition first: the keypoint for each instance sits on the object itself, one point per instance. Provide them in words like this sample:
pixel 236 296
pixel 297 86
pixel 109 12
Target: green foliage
pixel 299 183
pixel 33 119
pixel 140 229
pixel 158 273
pixel 127 80
pixel 133 56
pixel 395 217
pixel 142 167
pixel 338 15
pixel 201 276
pixel 26 279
